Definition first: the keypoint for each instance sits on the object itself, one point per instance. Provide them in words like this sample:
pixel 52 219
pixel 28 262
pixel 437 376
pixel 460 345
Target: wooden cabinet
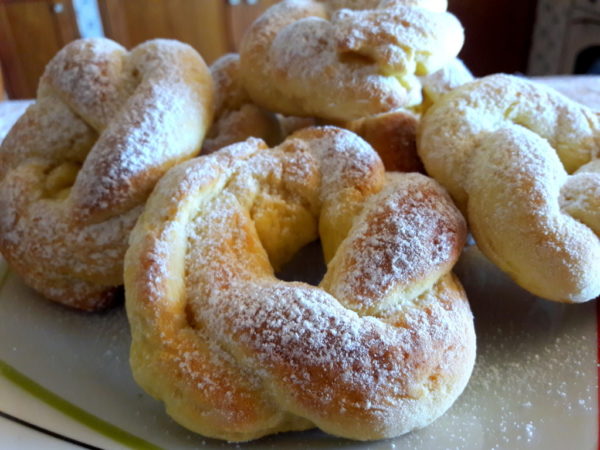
pixel 498 32
pixel 213 27
pixel 31 32
pixel 2 91
pixel 200 23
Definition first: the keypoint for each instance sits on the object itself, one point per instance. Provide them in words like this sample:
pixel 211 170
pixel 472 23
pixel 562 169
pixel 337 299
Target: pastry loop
pixel 384 345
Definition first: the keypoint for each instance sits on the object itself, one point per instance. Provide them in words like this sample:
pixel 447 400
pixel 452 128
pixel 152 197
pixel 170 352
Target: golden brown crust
pixel 77 167
pixel 383 346
pixel 521 162
pixel 237 118
pixel 394 136
pixel 308 58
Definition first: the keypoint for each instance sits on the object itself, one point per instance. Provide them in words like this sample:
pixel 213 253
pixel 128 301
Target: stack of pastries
pixel 318 129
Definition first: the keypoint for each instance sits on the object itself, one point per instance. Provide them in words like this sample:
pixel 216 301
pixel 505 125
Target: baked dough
pixel 76 168
pixel 394 136
pixel 452 75
pixel 383 346
pixel 521 161
pixel 310 58
pixel 236 117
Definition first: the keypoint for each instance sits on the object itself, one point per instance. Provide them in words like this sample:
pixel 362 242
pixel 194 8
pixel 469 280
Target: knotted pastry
pixel 521 161
pixel 311 58
pixel 383 346
pixel 394 134
pixel 77 167
pixel 236 117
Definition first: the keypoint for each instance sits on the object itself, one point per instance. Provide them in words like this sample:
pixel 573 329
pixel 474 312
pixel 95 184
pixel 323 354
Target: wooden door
pixel 200 23
pixel 31 33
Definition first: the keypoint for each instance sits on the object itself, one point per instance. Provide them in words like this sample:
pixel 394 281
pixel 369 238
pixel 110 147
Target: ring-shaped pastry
pixel 384 345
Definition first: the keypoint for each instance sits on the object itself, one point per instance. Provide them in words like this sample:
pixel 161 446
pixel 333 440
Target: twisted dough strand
pixel 504 148
pixel 304 57
pixel 385 344
pixel 77 167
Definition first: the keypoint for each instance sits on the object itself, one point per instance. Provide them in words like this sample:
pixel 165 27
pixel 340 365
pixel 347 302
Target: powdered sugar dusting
pixel 405 240
pixel 452 128
pixel 236 117
pixel 580 197
pixel 448 78
pixel 229 92
pixel 81 161
pixel 400 39
pixel 48 130
pixel 503 147
pixel 363 60
pixel 90 77
pixel 536 371
pixel 545 249
pixel 162 123
pixel 311 356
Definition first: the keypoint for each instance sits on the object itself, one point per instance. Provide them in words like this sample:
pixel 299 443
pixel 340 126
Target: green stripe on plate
pixel 72 411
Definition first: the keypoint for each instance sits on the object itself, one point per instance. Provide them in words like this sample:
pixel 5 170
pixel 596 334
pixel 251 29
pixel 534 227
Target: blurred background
pixel 534 37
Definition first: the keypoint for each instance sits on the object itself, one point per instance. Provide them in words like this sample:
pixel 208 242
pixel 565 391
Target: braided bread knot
pixel 522 162
pixel 342 60
pixel 384 345
pixel 77 167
